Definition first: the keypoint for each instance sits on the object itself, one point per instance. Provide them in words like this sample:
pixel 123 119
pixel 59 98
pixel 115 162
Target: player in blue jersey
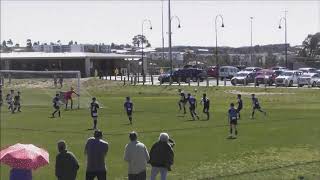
pixel 206 105
pixel 233 121
pixel 192 106
pixel 56 105
pixel 94 106
pixel 256 106
pixel 128 107
pixel 240 105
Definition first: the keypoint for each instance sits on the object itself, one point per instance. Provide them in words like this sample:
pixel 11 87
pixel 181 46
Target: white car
pixel 308 79
pixel 227 72
pixel 307 70
pixel 288 78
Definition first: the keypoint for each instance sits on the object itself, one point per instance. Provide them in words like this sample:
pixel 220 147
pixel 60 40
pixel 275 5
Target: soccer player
pixel 233 118
pixel 128 107
pixel 94 106
pixel 192 106
pixel 61 81
pixel 240 105
pixel 206 105
pixel 182 102
pixel 56 105
pixel 17 100
pixel 68 96
pixel 9 99
pixel 256 106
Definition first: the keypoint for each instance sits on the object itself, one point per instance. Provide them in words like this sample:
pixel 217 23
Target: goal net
pixel 38 88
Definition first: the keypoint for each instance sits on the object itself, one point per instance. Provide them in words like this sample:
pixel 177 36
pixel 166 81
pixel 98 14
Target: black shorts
pixel 205 109
pixel 239 109
pixel 192 107
pixel 256 107
pixel 17 104
pixel 129 113
pixel 233 122
pixel 56 107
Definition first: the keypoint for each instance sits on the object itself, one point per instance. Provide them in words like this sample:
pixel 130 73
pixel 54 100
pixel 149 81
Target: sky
pixel 118 21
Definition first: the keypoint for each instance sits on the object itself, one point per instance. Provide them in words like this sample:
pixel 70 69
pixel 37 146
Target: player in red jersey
pixel 68 96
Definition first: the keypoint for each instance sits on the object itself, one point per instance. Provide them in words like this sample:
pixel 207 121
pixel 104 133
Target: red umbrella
pixel 24 156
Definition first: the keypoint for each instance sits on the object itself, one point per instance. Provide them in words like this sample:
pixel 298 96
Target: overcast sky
pixel 119 21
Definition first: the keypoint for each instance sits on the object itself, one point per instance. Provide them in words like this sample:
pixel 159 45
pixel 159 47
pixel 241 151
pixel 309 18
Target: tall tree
pixel 29 43
pixel 311 45
pixel 4 43
pixel 137 40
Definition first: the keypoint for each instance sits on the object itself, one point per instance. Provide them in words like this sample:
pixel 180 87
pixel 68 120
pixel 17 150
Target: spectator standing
pixel 66 163
pixel 161 157
pixel 96 150
pixel 137 156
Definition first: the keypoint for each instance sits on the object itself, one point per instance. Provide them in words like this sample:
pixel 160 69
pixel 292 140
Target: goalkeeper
pixel 68 96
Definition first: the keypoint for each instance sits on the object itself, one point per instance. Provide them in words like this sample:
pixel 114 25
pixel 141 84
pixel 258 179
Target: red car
pixel 212 71
pixel 265 76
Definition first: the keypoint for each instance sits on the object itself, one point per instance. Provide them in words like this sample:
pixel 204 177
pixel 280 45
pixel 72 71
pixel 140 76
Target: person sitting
pixel 20 174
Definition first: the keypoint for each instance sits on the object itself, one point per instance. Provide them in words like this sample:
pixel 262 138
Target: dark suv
pixel 184 75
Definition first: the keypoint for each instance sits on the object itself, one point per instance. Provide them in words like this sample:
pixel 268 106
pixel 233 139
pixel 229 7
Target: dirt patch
pixel 41 83
pixel 256 93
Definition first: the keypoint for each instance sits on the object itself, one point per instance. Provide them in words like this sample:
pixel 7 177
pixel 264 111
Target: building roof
pixel 66 55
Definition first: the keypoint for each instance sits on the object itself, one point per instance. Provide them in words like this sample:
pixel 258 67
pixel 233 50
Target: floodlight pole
pixel 142 64
pixel 216 30
pixel 285 35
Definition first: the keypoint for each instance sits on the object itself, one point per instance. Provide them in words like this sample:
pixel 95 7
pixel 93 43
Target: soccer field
pixel 283 145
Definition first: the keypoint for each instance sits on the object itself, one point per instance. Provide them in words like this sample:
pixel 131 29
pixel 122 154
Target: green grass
pixel 285 145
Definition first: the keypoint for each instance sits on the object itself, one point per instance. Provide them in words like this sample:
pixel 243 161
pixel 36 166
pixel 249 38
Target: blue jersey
pixel 240 104
pixel 55 101
pixel 233 114
pixel 128 105
pixel 94 109
pixel 255 102
pixel 192 101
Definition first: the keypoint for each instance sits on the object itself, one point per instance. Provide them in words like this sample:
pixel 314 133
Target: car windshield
pixel 287 74
pixel 264 73
pixel 306 75
pixel 241 74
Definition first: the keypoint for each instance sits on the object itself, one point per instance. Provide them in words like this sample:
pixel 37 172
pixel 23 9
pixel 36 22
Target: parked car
pixel 318 83
pixel 308 79
pixel 165 77
pixel 278 68
pixel 307 70
pixel 212 71
pixel 243 77
pixel 288 78
pixel 227 72
pixel 318 71
pixel 265 76
pixel 252 69
pixel 184 75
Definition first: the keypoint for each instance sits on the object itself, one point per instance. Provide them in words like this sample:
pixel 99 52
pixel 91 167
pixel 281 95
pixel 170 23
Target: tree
pixel 311 45
pixel 9 42
pixel 4 43
pixel 29 43
pixel 70 42
pixel 137 40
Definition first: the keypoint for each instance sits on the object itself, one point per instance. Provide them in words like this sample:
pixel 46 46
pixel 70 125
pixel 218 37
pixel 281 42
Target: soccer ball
pixel 195 90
